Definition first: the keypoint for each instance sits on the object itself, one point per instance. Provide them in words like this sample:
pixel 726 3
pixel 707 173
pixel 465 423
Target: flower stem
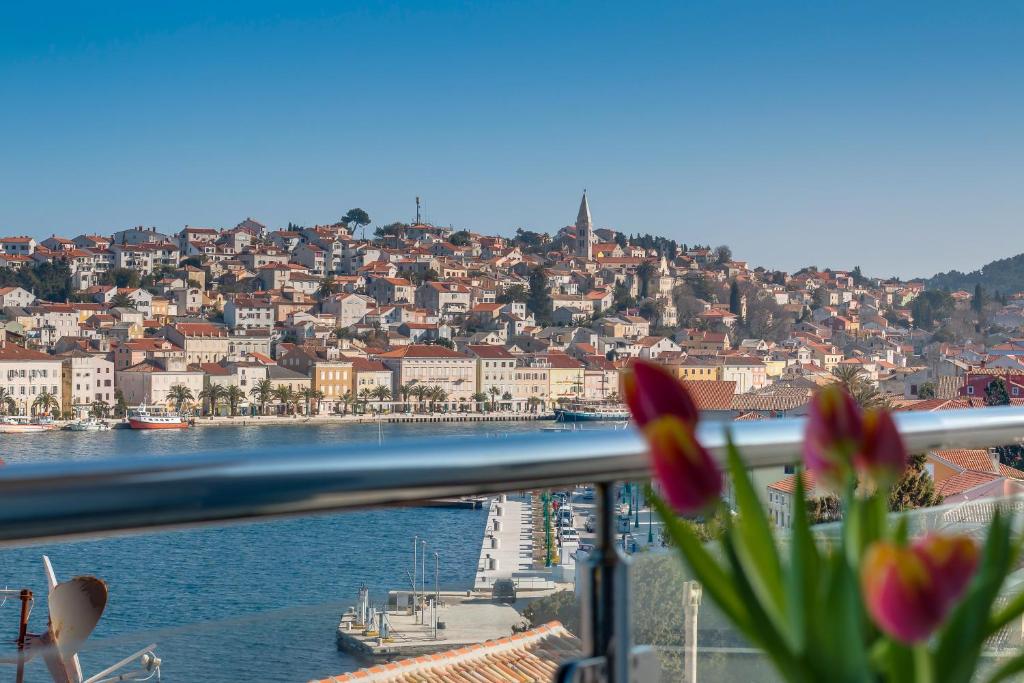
pixel 922 664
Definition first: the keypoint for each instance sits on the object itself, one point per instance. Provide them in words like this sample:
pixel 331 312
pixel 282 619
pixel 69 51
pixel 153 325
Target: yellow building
pixel 695 369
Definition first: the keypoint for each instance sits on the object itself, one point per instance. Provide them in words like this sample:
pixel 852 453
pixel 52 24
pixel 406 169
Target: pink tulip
pixel 882 453
pixel 951 559
pixel 909 591
pixel 834 433
pixel 900 592
pixel 652 392
pixel 686 472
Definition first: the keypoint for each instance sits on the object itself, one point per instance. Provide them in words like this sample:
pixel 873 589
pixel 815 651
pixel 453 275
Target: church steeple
pixel 584 228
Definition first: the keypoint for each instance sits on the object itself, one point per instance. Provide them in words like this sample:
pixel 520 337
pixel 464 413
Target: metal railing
pixel 59 500
pixel 81 498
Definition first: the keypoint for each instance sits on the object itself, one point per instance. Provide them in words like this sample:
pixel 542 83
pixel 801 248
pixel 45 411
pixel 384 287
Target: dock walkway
pixel 508 540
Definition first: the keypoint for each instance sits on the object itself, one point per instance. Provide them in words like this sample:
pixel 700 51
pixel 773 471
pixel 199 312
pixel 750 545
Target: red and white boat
pixel 145 417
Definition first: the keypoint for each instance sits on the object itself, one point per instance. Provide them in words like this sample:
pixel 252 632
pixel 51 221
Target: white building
pixel 25 374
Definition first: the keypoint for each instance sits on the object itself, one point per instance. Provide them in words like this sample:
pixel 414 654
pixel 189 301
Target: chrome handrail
pixel 58 500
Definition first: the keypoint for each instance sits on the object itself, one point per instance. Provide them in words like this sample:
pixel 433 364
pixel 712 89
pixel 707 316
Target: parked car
pixel 570 535
pixel 504 590
pixel 588 493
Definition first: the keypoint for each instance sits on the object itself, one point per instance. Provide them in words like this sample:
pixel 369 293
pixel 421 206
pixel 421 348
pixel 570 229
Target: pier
pixel 507 547
pixel 464 618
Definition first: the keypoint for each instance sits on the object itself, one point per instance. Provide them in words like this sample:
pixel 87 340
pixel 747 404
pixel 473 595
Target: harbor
pixel 422 620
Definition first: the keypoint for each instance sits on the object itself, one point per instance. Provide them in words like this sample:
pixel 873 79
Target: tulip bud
pixel 909 591
pixel 685 470
pixel 882 453
pixel 651 392
pixel 833 434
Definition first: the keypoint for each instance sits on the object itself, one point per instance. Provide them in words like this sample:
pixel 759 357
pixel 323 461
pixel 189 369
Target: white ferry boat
pixel 146 417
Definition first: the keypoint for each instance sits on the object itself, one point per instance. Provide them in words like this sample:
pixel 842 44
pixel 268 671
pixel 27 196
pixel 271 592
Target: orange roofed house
pixel 432 365
pixel 527 657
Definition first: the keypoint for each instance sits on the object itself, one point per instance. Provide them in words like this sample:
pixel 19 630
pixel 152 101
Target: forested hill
pixel 1005 275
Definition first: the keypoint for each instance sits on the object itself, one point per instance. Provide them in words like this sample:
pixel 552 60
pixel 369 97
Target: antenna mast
pixel 418 220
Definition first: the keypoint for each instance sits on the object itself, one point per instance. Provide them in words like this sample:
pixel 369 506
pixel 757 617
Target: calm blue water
pixel 252 602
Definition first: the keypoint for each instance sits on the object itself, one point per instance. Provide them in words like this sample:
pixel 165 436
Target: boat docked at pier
pixel 591 411
pixel 152 417
pixel 17 424
pixel 90 424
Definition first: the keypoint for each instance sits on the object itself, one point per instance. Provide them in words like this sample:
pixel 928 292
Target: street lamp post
pixel 650 520
pixel 437 595
pixel 423 582
pixel 636 508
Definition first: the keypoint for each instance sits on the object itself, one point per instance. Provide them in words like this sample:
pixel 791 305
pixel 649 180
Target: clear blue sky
pixel 882 134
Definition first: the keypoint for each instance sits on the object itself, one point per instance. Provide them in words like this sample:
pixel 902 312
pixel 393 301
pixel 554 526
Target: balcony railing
pixel 89 498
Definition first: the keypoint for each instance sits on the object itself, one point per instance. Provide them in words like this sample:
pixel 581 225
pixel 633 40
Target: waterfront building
pixel 86 378
pixel 329 371
pixel 370 374
pixel 432 365
pixel 150 381
pixel 566 376
pixel 26 374
pixel 495 372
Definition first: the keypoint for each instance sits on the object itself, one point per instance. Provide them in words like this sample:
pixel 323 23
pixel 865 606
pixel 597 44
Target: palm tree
pixel 7 402
pixel 382 394
pixel 99 409
pixel 855 382
pixel 479 398
pixel 495 392
pixel 180 395
pixel 346 401
pixel 436 395
pixel 419 392
pixel 262 391
pixel 234 396
pixel 406 390
pixel 365 394
pixel 122 301
pixel 46 403
pixel 286 395
pixel 507 396
pixel 307 394
pixel 212 396
pixel 533 402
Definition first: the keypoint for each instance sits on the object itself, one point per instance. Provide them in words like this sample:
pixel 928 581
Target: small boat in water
pixel 90 424
pixel 591 411
pixel 18 424
pixel 145 417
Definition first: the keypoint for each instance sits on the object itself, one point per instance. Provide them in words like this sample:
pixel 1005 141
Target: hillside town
pixel 325 320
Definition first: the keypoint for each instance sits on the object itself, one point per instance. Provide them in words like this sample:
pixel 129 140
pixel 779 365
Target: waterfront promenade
pixel 508 540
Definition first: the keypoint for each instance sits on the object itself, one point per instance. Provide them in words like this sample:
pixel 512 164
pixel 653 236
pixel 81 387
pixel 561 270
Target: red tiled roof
pixel 533 655
pixel 977 459
pixel 788 484
pixel 964 481
pixel 10 351
pixel 712 394
pixel 489 351
pixel 422 351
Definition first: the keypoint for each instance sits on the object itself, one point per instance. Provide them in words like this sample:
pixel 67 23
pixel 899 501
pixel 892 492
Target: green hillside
pixel 1005 275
